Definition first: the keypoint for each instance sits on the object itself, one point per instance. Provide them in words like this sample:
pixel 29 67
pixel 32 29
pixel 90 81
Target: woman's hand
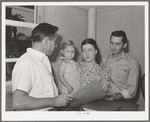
pixel 70 89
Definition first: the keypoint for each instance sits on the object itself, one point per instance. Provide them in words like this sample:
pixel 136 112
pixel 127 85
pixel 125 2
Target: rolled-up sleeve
pixel 132 81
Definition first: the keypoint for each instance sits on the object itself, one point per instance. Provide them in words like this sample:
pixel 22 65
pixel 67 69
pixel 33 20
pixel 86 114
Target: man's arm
pixel 21 101
pixel 132 80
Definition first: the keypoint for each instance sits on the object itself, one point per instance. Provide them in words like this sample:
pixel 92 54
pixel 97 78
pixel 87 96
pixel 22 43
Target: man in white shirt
pixel 32 80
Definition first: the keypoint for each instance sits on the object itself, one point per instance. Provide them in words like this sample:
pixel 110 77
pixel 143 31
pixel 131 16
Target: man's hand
pixel 108 97
pixel 63 100
pixel 117 96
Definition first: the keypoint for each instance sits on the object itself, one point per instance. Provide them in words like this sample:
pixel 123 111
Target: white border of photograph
pixel 80 115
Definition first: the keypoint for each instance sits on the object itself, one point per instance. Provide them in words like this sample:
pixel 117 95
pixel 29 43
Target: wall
pixel 72 23
pixel 129 19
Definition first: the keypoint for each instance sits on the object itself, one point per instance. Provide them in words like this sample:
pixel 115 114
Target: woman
pixel 89 67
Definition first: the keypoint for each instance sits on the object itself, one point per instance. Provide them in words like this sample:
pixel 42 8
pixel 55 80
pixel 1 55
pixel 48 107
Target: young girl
pixel 69 74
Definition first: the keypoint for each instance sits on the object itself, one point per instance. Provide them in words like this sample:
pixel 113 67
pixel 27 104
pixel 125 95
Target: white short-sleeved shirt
pixel 32 73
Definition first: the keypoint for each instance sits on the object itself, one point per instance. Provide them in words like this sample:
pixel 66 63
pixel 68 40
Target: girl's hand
pixel 70 89
pixel 64 60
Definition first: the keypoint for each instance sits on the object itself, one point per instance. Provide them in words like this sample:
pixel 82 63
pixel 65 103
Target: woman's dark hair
pixel 43 30
pixel 92 42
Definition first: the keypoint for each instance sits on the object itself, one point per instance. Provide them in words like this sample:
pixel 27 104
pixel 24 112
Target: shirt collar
pixel 36 53
pixel 122 56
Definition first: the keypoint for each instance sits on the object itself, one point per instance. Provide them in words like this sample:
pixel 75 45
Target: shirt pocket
pixel 124 73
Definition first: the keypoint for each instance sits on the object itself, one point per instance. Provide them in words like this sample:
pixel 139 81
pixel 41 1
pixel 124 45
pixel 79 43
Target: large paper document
pixel 91 92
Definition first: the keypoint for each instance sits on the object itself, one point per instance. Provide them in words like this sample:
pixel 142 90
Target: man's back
pixel 30 75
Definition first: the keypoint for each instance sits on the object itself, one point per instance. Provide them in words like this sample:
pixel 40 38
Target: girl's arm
pixel 62 78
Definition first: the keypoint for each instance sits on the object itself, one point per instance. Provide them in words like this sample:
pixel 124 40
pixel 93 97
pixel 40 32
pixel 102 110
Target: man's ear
pixel 125 45
pixel 96 52
pixel 45 41
pixel 62 52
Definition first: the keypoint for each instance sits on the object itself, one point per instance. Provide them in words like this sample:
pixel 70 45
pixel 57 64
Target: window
pixel 19 22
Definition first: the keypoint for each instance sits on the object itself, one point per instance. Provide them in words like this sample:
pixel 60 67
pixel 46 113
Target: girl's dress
pixel 71 75
pixel 87 75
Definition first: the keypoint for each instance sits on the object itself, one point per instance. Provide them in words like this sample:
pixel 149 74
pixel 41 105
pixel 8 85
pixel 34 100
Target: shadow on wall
pixel 56 52
pixel 76 54
pixel 98 56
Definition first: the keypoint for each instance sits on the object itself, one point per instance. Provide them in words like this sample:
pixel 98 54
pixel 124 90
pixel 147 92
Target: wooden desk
pixel 110 106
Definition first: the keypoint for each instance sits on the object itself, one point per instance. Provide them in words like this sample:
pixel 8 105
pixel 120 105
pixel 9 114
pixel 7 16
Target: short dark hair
pixel 43 30
pixel 120 33
pixel 92 42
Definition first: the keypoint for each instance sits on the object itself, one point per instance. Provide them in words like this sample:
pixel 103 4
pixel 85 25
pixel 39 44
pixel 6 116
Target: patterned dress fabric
pixel 87 75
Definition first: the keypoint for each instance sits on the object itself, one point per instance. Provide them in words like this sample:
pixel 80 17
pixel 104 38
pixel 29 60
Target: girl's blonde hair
pixel 66 44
